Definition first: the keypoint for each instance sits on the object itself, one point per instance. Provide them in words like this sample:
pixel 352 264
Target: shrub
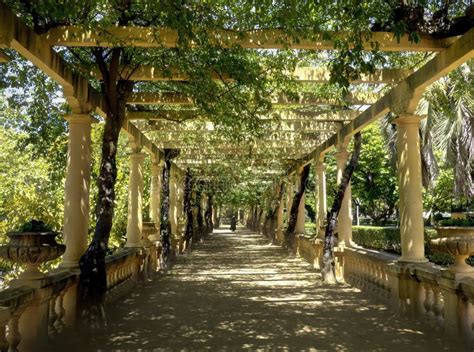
pixel 387 239
pixel 457 222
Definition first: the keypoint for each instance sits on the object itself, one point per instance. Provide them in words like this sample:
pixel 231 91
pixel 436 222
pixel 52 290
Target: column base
pixel 405 260
pixel 69 265
pixel 133 245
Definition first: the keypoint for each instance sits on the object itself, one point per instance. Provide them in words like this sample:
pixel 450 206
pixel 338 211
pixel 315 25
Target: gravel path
pixel 235 292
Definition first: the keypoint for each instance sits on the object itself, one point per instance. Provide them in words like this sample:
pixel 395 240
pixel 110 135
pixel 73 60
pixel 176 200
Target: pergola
pixel 299 130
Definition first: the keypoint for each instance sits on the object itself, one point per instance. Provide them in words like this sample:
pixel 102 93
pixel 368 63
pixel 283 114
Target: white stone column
pixel 344 219
pixel 289 200
pixel 155 192
pixel 135 201
pixel 173 206
pixel 279 227
pixel 410 188
pixel 321 200
pixel 300 219
pixel 76 193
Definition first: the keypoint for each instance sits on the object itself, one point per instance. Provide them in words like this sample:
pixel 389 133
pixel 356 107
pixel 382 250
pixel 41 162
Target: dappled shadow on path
pixel 235 292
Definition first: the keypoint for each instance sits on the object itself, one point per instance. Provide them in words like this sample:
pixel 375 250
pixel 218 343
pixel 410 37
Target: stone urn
pixel 31 249
pixel 457 241
pixel 149 233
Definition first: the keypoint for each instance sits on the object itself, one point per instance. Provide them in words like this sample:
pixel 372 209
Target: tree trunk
pixel 290 230
pixel 208 215
pixel 330 238
pixel 93 279
pixel 272 215
pixel 188 210
pixel 199 217
pixel 165 226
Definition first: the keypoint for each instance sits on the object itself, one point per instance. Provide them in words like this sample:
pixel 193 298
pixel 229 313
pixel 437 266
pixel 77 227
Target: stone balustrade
pixel 31 315
pixel 423 291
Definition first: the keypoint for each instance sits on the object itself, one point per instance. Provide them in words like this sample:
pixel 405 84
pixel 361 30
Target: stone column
pixel 173 207
pixel 289 200
pixel 344 219
pixel 410 188
pixel 320 171
pixel 155 192
pixel 135 202
pixel 76 193
pixel 300 219
pixel 279 227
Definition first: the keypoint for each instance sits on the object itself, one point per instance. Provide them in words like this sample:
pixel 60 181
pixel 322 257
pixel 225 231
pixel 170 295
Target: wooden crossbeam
pixel 278 144
pixel 80 95
pixel 406 94
pixel 170 116
pixel 4 58
pixel 148 37
pixel 171 98
pixel 302 74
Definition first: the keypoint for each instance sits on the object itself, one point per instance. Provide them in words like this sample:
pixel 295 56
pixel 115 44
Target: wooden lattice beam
pixel 171 98
pixel 405 95
pixel 171 116
pixel 302 74
pixel 147 37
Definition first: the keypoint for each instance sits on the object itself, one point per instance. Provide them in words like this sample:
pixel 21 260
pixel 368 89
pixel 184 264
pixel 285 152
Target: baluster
pixel 3 337
pixel 429 298
pixel 52 316
pixel 60 312
pixel 13 336
pixel 438 306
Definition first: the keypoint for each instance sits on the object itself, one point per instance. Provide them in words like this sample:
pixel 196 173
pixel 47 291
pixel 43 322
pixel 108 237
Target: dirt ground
pixel 235 292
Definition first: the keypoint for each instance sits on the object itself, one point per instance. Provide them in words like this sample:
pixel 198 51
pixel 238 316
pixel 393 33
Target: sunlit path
pixel 236 292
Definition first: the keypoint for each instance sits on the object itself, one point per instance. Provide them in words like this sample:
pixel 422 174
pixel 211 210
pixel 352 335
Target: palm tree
pixel 449 127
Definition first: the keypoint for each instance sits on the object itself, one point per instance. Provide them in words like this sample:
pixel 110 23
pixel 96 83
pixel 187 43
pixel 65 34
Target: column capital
pixel 320 167
pixel 137 156
pixel 79 119
pixel 408 119
pixel 341 154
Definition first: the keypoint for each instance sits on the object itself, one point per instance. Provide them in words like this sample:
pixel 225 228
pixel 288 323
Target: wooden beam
pixel 172 116
pixel 322 75
pixel 283 127
pixel 405 96
pixel 80 95
pixel 149 37
pixel 171 98
pixel 4 58
pixel 302 74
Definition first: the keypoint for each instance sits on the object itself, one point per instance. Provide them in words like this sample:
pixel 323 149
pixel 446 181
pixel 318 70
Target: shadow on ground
pixel 236 292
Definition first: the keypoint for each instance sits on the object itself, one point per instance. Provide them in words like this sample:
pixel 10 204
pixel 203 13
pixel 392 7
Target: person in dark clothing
pixel 233 223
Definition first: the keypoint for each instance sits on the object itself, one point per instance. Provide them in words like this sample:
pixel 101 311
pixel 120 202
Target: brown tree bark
pixel 208 215
pixel 199 217
pixel 165 226
pixel 271 217
pixel 188 210
pixel 330 238
pixel 290 230
pixel 93 283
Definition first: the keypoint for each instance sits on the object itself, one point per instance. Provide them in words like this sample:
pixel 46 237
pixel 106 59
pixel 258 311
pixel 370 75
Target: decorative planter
pixel 457 241
pixel 149 233
pixel 31 249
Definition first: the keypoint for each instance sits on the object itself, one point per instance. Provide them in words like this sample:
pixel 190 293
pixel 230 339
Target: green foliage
pixel 35 226
pixel 388 239
pixel 374 182
pixel 468 222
